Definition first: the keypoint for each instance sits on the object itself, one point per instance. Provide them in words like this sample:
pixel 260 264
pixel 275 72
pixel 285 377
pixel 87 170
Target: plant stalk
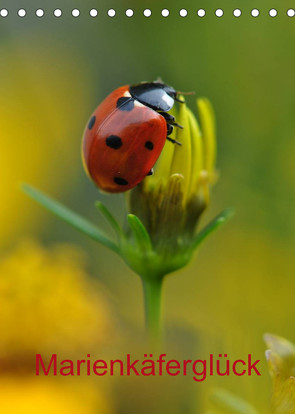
pixel 153 299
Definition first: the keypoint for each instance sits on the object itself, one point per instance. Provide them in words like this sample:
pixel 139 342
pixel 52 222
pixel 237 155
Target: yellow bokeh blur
pixel 31 396
pixel 48 303
pixel 49 306
pixel 41 104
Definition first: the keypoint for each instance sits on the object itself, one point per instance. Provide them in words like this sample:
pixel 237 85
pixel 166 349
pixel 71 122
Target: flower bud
pixel 170 202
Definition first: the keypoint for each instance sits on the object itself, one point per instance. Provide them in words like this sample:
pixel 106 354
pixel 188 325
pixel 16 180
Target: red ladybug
pixel 126 134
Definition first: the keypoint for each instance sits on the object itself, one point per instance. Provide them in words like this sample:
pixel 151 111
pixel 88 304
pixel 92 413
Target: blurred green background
pixel 60 292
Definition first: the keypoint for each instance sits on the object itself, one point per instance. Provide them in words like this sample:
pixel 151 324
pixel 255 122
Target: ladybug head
pixel 156 95
pixel 169 90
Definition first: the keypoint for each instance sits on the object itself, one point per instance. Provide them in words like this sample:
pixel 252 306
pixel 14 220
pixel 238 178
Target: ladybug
pixel 126 134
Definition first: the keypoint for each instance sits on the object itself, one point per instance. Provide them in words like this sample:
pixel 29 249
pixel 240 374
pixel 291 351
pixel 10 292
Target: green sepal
pixel 140 233
pixel 110 218
pixel 212 226
pixel 70 217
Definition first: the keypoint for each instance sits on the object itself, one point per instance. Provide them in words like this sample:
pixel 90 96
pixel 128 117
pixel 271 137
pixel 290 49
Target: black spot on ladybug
pixel 91 122
pixel 120 181
pixel 125 103
pixel 149 145
pixel 113 141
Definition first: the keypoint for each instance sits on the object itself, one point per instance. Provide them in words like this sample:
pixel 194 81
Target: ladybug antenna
pixel 186 93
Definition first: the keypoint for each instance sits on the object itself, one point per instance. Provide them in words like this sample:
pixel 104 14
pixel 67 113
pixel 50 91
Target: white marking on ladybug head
pixel 137 103
pixel 169 101
pixel 127 94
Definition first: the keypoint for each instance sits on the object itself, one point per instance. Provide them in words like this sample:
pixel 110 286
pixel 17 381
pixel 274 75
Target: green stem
pixel 152 297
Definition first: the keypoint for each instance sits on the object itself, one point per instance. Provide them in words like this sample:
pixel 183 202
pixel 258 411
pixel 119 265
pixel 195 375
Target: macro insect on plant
pixel 126 134
pixel 123 140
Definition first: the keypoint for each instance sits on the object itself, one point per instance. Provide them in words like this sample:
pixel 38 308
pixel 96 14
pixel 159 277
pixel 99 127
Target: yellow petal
pixel 283 399
pixel 181 162
pixel 196 153
pixel 208 126
pixel 280 356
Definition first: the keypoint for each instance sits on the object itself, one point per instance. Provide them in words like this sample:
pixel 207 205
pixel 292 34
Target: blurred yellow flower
pixel 40 124
pixel 32 396
pixel 48 305
pixel 281 362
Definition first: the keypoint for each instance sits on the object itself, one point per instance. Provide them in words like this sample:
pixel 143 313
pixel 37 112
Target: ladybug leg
pixel 171 124
pixel 151 172
pixel 170 119
pixel 169 132
pixel 169 129
pixel 173 141
pixel 176 124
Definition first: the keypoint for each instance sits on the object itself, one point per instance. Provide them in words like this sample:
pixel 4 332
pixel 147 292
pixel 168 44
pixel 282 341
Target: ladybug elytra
pixel 126 134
